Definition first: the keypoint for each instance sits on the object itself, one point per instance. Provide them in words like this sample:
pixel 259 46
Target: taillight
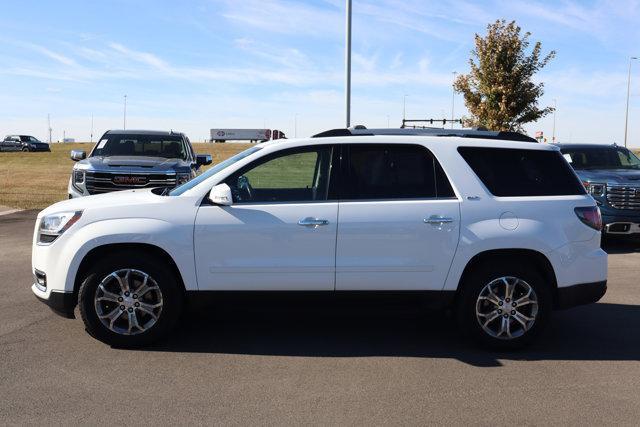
pixel 590 216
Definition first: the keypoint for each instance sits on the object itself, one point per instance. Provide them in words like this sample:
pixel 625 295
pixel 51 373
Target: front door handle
pixel 313 222
pixel 438 220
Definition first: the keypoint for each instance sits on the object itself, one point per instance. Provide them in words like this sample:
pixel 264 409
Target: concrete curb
pixel 4 210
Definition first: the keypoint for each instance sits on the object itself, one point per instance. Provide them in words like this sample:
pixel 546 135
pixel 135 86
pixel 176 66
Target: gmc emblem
pixel 129 180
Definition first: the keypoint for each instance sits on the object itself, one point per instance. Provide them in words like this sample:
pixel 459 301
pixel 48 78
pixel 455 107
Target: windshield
pixel 212 171
pixel 601 158
pixel 167 146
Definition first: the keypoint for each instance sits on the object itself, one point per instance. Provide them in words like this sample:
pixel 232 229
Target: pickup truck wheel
pixel 504 309
pixel 25 149
pixel 129 300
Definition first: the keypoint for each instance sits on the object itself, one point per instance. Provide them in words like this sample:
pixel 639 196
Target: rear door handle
pixel 438 220
pixel 312 222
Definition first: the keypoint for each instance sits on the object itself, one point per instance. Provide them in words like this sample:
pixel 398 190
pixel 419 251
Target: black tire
pixel 470 291
pixel 171 293
pixel 25 150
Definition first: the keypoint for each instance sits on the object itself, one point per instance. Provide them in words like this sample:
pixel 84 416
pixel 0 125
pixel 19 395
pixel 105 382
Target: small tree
pixel 499 91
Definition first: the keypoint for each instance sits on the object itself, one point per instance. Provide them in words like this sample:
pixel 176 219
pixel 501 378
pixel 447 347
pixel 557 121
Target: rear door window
pixel 393 171
pixel 515 172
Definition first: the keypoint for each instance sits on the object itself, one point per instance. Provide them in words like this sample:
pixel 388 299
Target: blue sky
pixel 191 65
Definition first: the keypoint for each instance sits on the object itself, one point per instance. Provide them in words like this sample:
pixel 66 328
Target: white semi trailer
pixel 252 135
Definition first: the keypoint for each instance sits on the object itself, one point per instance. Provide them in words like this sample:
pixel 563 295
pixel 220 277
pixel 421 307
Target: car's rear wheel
pixel 130 300
pixel 504 308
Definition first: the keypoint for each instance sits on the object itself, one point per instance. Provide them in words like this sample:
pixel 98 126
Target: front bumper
pixel 620 224
pixel 61 303
pixel 584 293
pixel 73 191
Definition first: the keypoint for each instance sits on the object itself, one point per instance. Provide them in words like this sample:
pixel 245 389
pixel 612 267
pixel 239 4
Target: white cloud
pixel 285 17
pixel 62 59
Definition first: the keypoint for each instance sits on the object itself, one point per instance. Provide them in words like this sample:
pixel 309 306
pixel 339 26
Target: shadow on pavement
pixel 337 329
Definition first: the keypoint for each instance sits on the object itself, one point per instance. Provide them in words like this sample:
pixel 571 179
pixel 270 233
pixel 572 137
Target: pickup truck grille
pixel 621 197
pixel 104 182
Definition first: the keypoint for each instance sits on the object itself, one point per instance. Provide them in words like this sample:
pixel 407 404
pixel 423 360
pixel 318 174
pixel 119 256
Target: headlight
pixel 78 177
pixel 182 178
pixel 595 188
pixel 52 226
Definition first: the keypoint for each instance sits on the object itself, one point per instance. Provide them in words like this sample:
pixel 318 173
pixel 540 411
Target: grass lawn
pixel 36 180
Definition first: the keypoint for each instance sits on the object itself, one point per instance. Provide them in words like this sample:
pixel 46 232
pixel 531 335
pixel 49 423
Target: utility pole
pixel 626 117
pixel 388 121
pixel 555 108
pixel 453 97
pixel 347 61
pixel 295 126
pixel 124 122
pixel 49 126
pixel 91 140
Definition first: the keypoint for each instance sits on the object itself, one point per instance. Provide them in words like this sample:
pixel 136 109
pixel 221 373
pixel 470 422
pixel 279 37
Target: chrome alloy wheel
pixel 507 308
pixel 128 301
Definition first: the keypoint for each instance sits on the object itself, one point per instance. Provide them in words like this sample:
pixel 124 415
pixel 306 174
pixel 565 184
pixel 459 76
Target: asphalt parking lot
pixel 316 364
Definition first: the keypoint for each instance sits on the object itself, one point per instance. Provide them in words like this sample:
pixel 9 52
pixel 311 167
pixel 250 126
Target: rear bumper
pixel 584 293
pixel 61 303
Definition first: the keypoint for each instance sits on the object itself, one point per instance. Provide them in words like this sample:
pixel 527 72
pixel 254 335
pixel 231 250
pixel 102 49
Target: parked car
pixel 23 143
pixel 127 159
pixel 502 232
pixel 611 174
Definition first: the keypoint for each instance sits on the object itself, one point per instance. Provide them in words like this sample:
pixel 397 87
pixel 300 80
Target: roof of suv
pixel 585 146
pixel 452 142
pixel 141 132
pixel 426 131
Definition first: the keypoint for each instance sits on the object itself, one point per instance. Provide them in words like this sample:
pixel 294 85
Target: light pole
pixel 555 108
pixel 453 97
pixel 626 117
pixel 295 126
pixel 388 121
pixel 91 139
pixel 404 107
pixel 124 122
pixel 347 61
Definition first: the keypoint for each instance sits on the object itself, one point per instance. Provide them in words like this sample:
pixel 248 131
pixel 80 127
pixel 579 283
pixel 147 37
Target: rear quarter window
pixel 510 172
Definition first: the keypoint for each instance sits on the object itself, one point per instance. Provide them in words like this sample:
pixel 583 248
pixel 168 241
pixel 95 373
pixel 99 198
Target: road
pixel 305 363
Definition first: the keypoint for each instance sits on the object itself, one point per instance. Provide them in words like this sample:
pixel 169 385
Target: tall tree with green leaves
pixel 499 90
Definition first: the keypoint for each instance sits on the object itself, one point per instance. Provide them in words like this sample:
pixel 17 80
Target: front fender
pixel 174 239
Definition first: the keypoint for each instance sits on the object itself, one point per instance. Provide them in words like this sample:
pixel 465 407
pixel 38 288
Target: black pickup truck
pixel 128 159
pixel 23 143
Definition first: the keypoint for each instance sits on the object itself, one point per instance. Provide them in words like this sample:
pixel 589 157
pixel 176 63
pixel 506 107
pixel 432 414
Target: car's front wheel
pixel 504 308
pixel 130 300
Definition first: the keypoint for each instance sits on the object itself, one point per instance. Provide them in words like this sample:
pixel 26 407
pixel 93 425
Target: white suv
pixel 501 231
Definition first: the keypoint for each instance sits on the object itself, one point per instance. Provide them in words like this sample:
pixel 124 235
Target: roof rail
pixel 462 133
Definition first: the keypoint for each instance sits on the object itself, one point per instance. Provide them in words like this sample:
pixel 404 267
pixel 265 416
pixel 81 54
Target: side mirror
pixel 203 159
pixel 77 155
pixel 221 195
